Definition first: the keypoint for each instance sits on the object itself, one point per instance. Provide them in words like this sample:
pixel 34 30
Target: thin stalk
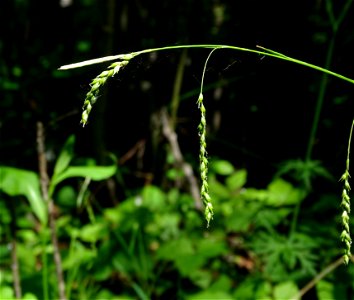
pixel 330 268
pixel 44 181
pixel 294 220
pixel 319 102
pixel 349 143
pixel 99 122
pixel 266 52
pixel 335 23
pixel 14 259
pixel 187 169
pixel 177 88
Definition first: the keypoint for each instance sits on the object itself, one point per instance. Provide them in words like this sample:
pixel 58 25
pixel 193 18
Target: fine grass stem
pixel 123 59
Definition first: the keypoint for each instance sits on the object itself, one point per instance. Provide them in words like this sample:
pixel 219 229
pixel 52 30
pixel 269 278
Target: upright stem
pixel 172 138
pixel 98 126
pixel 177 88
pixel 14 259
pixel 330 268
pixel 44 180
pixel 335 23
pixel 319 103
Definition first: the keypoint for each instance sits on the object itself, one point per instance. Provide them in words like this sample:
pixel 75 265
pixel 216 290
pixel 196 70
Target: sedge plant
pixel 122 61
pixel 345 204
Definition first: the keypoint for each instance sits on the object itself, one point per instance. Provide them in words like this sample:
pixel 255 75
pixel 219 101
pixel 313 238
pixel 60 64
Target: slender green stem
pixel 349 142
pixel 14 258
pixel 177 88
pixel 295 219
pixel 320 99
pixel 266 52
pixel 332 266
pixel 204 70
pixel 335 23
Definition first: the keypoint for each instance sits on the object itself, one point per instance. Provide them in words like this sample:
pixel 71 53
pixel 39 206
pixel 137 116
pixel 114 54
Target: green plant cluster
pixel 154 244
pixel 79 228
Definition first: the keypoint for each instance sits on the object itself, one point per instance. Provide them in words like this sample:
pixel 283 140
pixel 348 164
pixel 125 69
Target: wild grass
pixel 122 61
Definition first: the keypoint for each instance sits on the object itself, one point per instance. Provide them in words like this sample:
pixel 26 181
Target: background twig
pixel 14 259
pixel 44 180
pixel 320 276
pixel 171 136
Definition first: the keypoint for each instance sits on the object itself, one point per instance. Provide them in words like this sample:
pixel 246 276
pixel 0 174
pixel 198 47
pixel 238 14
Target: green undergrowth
pixel 154 244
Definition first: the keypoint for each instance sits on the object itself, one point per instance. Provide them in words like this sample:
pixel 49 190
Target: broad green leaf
pixel 164 225
pixel 78 255
pixel 222 167
pixel 5 214
pixel 285 290
pixel 252 194
pixel 18 182
pixel 29 296
pixel 283 193
pixel 153 198
pixel 186 264
pixel 6 292
pixel 4 253
pixel 93 232
pixel 325 290
pixel 168 250
pixel 241 220
pixel 223 283
pixel 211 295
pixel 27 259
pixel 103 272
pixel 211 247
pixel 65 156
pixel 115 215
pixel 218 290
pixel 217 189
pixel 246 289
pixel 95 173
pixel 236 180
pixel 264 291
pixel 328 290
pixel 107 295
pixel 201 278
pixel 66 196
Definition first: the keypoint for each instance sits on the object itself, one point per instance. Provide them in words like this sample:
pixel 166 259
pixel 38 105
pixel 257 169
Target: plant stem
pixel 177 88
pixel 98 123
pixel 171 136
pixel 266 52
pixel 14 258
pixel 317 278
pixel 335 23
pixel 319 102
pixel 44 181
pixel 349 142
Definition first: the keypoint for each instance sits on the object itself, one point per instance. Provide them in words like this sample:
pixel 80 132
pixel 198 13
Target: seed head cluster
pixel 96 84
pixel 345 204
pixel 203 160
